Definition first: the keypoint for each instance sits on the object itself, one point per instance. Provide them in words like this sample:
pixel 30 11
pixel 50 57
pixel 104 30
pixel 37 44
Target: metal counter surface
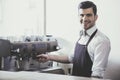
pixel 25 75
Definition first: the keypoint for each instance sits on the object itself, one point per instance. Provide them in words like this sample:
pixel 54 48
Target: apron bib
pixel 82 62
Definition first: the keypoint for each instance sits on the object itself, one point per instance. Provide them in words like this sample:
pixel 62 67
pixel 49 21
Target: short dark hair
pixel 88 4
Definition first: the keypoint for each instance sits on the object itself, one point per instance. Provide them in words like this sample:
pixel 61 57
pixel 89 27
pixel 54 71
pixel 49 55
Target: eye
pixel 88 15
pixel 81 15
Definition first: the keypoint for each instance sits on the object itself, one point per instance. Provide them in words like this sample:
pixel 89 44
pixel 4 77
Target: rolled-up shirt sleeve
pixel 71 54
pixel 101 54
pixel 70 58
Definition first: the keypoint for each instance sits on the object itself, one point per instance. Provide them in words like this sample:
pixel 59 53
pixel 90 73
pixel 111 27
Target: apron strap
pixel 91 37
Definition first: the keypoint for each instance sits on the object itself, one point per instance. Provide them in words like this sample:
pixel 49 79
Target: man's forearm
pixel 58 58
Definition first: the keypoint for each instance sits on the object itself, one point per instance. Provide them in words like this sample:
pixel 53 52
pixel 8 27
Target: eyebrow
pixel 89 14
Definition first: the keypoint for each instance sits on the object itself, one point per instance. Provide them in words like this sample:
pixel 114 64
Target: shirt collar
pixel 90 31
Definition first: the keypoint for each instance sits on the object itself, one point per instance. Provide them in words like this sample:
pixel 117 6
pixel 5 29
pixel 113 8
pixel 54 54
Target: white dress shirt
pixel 98 49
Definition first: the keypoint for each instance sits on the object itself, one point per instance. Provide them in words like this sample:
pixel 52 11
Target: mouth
pixel 85 23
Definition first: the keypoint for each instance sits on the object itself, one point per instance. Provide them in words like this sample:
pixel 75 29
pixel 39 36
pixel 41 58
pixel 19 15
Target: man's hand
pixel 43 57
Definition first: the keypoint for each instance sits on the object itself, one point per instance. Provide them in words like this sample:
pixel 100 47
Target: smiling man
pixel 92 48
pixel 87 18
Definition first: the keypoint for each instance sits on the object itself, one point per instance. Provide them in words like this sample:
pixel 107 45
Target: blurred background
pixel 59 18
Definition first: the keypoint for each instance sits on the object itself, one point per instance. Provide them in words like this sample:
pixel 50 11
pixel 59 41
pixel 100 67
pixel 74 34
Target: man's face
pixel 87 18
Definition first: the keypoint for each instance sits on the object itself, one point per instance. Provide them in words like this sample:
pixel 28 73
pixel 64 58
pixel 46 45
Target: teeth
pixel 86 23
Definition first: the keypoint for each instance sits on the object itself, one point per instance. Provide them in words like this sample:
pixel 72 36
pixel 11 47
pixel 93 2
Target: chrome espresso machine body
pixel 24 52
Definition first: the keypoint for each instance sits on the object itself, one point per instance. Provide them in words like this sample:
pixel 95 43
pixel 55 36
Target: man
pixel 92 49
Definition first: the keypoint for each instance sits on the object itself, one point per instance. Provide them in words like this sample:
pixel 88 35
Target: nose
pixel 84 18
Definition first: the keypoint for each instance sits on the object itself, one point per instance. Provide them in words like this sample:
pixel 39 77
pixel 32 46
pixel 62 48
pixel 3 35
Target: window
pixel 26 17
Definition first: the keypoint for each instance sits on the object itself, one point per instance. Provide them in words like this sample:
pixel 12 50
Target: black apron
pixel 82 62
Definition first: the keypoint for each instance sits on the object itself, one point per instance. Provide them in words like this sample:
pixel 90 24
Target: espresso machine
pixel 20 55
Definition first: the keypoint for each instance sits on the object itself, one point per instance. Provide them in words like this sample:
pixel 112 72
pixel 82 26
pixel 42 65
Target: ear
pixel 96 16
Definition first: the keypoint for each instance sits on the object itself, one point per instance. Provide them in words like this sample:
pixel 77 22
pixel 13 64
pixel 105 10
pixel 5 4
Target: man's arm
pixel 102 51
pixel 57 58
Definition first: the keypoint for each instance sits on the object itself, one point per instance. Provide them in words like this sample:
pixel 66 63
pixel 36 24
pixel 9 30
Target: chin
pixel 85 27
